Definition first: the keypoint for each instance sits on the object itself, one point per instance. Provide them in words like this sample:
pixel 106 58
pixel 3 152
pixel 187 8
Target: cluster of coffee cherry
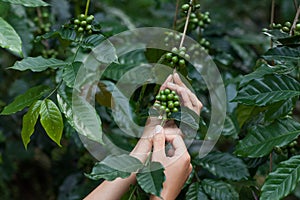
pixel 290 148
pixel 49 53
pixel 176 58
pixel 204 43
pixel 83 23
pixel 167 102
pixel 197 18
pixel 286 27
pixel 172 38
pixel 43 23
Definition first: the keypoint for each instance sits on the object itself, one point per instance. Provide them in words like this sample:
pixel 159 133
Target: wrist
pixel 142 150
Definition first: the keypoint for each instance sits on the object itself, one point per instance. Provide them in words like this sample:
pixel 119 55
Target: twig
pixel 176 13
pixel 295 4
pixel 272 19
pixel 186 24
pixel 87 7
pixel 271 162
pixel 295 21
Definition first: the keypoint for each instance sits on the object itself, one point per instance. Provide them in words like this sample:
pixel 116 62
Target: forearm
pixel 112 190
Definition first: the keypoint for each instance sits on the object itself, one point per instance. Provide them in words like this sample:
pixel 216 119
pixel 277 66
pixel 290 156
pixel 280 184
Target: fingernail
pixel 158 129
pixel 171 84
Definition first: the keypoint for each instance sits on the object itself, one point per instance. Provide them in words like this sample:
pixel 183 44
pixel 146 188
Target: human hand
pixel 187 98
pixel 144 145
pixel 177 167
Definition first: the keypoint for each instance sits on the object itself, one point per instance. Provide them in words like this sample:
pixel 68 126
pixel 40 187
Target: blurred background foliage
pixel 49 172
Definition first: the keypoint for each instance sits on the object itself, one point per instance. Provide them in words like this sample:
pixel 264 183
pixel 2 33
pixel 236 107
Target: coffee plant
pixel 255 45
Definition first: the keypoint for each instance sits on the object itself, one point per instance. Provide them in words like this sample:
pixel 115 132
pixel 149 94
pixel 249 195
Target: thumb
pixel 159 144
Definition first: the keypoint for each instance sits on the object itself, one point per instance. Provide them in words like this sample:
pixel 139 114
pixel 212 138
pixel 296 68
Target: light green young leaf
pixel 70 72
pixel 261 139
pixel 283 180
pixel 195 192
pixel 51 120
pixel 28 3
pixel 65 104
pixel 113 167
pixel 25 99
pixel 29 121
pixel 9 39
pixel 219 190
pixel 86 120
pixel 37 64
pixel 151 178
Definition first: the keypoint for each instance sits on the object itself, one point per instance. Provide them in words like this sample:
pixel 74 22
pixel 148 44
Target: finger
pixel 169 131
pixel 179 145
pixel 142 150
pixel 170 152
pixel 164 85
pixel 178 81
pixel 183 94
pixel 195 102
pixel 150 127
pixel 188 98
pixel 159 144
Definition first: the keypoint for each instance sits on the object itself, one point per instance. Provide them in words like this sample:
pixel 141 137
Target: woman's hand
pixel 177 167
pixel 187 98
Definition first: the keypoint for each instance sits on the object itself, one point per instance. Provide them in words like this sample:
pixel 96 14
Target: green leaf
pixel 267 90
pixel 195 192
pixel 28 3
pixel 261 139
pixel 187 116
pixel 219 190
pixel 51 120
pixel 108 173
pixel 86 120
pixel 224 165
pixel 263 70
pixel 151 178
pixel 283 55
pixel 9 39
pixel 37 64
pixel 113 167
pixel 65 104
pixel 92 41
pixel 63 33
pixel 229 129
pixel 283 180
pixel 29 121
pixel 70 72
pixel 116 71
pixel 280 109
pixel 245 113
pixel 25 99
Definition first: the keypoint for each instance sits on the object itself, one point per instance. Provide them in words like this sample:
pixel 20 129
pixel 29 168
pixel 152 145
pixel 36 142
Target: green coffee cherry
pixel 82 17
pixel 90 18
pixel 83 24
pixel 176 58
pixel 185 7
pixel 165 102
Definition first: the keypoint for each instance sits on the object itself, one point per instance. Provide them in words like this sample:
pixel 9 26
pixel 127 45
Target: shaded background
pixel 46 171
